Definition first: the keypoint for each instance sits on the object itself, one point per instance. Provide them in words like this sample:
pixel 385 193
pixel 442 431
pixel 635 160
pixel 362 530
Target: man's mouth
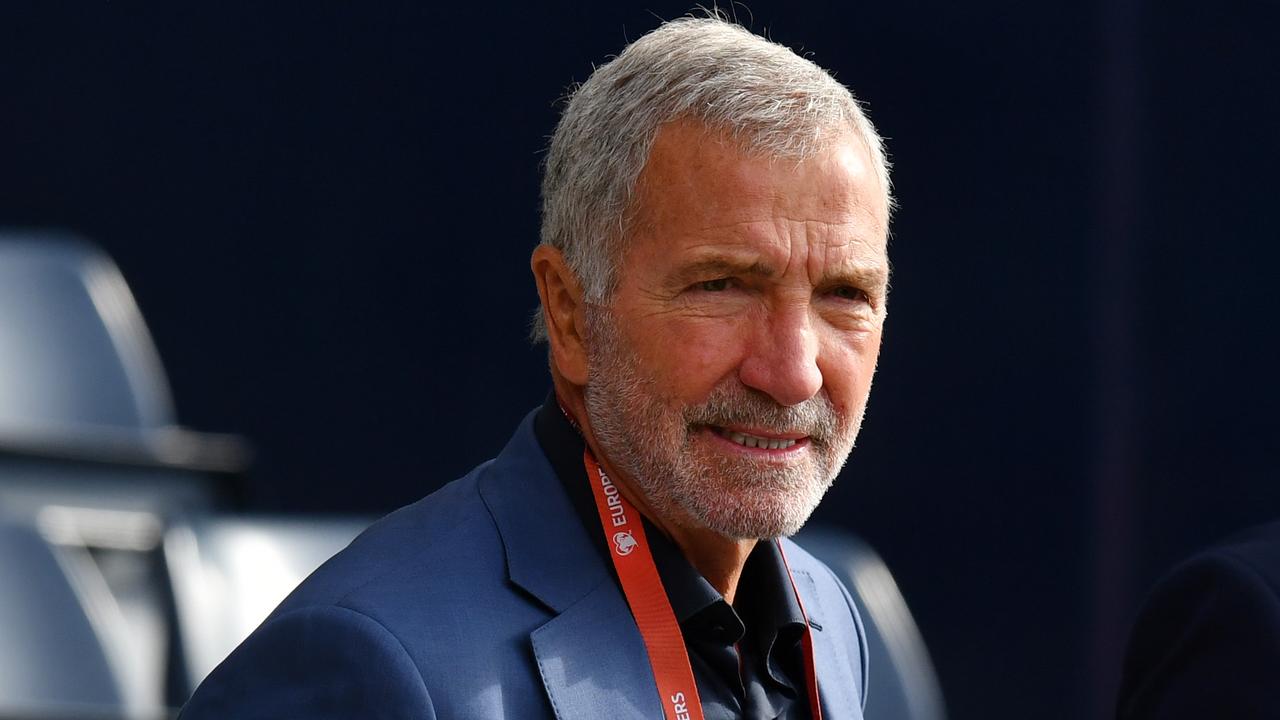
pixel 775 442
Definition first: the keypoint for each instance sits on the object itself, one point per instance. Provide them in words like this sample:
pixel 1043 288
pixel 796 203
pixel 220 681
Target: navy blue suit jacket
pixel 486 599
pixel 1207 643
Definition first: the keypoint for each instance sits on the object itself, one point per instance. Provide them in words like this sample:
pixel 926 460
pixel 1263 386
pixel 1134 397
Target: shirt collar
pixel 767 601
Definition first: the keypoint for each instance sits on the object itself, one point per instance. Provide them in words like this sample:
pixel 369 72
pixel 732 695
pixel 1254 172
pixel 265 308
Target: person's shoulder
pixel 425 595
pixel 1243 570
pixel 309 663
pixel 1207 639
pixel 1256 550
pixel 447 528
pixel 331 633
pixel 449 536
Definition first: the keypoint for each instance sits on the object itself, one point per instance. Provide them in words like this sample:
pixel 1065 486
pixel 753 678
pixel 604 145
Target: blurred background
pixel 325 213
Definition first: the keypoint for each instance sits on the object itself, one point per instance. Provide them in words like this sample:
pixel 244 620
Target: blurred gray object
pixel 86 417
pixel 80 377
pixel 51 658
pixel 73 347
pixel 92 459
pixel 902 683
pixel 229 573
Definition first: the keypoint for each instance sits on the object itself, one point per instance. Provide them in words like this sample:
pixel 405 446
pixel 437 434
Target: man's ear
pixel 562 311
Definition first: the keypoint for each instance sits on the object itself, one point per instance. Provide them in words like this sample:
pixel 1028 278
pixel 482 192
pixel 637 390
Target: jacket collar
pixel 590 655
pixel 840 697
pixel 549 553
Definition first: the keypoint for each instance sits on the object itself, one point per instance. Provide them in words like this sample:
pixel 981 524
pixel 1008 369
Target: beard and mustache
pixel 667 454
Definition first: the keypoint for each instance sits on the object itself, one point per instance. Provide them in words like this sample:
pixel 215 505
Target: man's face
pixel 730 370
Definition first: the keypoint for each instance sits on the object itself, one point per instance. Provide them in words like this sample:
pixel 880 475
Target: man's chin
pixel 752 529
pixel 748 518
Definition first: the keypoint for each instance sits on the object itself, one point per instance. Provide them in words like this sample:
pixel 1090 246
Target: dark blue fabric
pixel 1207 643
pixel 487 599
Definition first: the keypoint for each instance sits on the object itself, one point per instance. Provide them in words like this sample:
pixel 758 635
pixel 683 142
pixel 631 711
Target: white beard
pixel 669 458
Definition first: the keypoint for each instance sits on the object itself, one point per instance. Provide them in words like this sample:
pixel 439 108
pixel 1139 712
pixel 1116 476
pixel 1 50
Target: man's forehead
pixel 699 173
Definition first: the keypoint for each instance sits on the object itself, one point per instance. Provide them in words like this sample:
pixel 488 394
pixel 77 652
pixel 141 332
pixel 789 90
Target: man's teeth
pixel 752 441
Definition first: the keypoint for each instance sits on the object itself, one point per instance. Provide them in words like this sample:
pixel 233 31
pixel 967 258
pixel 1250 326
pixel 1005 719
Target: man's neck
pixel 718 558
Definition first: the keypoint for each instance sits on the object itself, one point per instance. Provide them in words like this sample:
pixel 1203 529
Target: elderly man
pixel 713 279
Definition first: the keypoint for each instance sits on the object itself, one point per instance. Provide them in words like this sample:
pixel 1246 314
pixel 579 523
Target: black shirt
pixel 747 660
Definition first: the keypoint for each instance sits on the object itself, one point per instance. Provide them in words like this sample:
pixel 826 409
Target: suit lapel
pixel 549 554
pixel 592 657
pixel 590 654
pixel 840 699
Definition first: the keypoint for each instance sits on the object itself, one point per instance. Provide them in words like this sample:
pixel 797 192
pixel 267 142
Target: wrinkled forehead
pixel 705 177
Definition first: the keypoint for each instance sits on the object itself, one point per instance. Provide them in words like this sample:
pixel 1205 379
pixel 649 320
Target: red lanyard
pixel 642 586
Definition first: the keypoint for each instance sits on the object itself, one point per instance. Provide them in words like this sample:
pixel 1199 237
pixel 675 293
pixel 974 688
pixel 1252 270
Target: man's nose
pixel 782 358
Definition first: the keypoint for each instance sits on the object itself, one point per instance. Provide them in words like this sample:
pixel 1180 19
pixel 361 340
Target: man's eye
pixel 717 285
pixel 848 292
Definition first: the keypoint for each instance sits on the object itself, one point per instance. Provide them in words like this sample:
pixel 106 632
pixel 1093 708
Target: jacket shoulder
pixel 445 533
pixel 1258 550
pixel 430 581
pixel 1208 637
pixel 316 662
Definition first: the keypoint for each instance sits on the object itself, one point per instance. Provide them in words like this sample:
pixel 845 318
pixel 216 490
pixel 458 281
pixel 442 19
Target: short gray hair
pixel 768 99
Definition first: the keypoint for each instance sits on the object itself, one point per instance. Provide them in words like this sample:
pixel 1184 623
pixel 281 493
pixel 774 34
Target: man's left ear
pixel 562 311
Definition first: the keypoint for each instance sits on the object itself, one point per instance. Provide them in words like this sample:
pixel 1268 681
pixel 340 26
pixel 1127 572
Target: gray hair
pixel 769 100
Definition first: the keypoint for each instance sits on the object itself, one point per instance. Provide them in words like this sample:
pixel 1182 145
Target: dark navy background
pixel 325 212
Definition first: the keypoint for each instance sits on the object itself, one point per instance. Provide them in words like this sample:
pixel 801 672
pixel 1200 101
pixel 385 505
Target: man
pixel 713 279
pixel 1207 643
